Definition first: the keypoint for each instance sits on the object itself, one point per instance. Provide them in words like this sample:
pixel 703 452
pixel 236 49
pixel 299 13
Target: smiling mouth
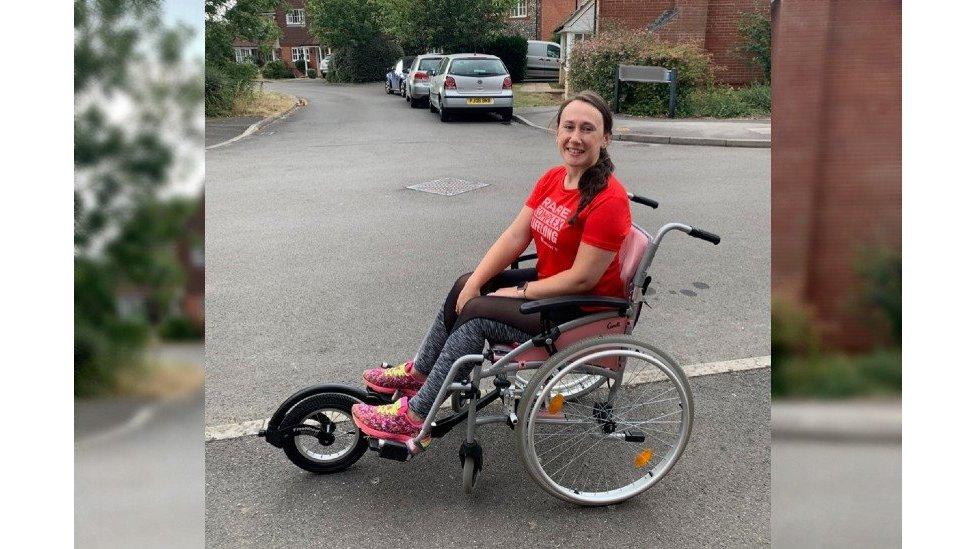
pixel 574 151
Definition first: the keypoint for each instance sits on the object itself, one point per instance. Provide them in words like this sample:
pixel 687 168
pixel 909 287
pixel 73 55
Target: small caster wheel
pixel 472 458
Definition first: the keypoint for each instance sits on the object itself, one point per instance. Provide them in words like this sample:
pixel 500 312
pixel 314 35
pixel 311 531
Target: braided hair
pixel 596 177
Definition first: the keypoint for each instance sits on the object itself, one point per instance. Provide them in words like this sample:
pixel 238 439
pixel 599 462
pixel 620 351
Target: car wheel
pixel 389 90
pixel 506 115
pixel 411 102
pixel 445 115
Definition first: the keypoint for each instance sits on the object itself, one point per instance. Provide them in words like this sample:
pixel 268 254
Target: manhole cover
pixel 447 186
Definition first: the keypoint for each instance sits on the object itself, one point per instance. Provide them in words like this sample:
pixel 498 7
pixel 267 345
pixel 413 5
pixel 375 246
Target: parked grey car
pixel 417 83
pixel 471 82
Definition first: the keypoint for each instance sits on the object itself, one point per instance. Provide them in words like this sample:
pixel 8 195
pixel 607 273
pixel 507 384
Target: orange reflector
pixel 556 404
pixel 643 458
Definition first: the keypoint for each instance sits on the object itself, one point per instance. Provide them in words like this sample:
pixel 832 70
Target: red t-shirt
pixel 603 223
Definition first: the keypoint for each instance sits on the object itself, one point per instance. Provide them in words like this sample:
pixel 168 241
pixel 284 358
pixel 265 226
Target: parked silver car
pixel 471 82
pixel 416 86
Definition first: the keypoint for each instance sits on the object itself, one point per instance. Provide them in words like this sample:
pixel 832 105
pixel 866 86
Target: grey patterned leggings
pixel 451 336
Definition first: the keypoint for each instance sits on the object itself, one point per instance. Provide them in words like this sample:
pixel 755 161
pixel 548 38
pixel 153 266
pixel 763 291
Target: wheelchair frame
pixel 278 432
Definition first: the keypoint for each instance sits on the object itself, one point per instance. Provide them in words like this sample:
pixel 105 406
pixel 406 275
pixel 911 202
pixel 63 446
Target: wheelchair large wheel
pixel 325 438
pixel 616 440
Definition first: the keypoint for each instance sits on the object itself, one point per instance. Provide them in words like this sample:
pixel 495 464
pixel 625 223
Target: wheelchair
pixel 599 416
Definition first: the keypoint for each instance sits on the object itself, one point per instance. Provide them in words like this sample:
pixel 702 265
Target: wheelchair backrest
pixel 631 252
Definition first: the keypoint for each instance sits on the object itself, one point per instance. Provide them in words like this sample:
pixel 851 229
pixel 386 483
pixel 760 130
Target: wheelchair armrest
pixel 571 301
pixel 526 257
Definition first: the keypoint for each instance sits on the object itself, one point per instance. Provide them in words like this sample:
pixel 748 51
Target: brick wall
pixel 836 162
pixel 526 26
pixel 709 24
pixel 554 13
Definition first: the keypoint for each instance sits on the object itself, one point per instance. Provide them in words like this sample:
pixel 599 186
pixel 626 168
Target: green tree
pixel 136 100
pixel 451 25
pixel 226 20
pixel 757 33
pixel 358 31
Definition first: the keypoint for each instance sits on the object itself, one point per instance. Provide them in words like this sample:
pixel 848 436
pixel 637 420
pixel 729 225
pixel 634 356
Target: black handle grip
pixel 705 235
pixel 644 200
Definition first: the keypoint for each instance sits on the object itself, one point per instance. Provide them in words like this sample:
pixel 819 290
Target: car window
pixel 429 63
pixel 407 61
pixel 442 66
pixel 552 50
pixel 478 67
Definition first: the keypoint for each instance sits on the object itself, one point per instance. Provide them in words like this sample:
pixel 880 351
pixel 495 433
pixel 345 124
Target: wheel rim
pixel 572 386
pixel 584 456
pixel 346 436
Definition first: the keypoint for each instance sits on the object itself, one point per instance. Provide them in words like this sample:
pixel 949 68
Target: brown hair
pixel 595 178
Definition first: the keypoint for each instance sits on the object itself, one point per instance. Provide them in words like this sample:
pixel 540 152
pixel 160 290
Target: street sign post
pixel 647 75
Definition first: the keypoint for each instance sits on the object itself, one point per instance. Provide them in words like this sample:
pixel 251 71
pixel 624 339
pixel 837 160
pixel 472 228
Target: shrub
pixel 301 65
pixel 879 271
pixel 312 74
pixel 757 33
pixel 511 50
pixel 366 61
pixel 223 83
pixel 726 102
pixel 277 69
pixel 179 328
pixel 595 67
pixel 838 375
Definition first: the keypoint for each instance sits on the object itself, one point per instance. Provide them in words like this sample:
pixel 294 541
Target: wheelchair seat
pixel 632 251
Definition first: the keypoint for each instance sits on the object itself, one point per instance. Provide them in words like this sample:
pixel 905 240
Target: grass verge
pixel 536 99
pixel 262 103
pixel 159 379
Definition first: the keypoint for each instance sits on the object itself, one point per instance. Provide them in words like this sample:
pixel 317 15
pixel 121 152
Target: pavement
pixel 682 131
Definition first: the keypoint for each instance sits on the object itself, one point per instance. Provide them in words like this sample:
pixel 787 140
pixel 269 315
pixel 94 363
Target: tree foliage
pixel 757 47
pixel 450 25
pixel 137 107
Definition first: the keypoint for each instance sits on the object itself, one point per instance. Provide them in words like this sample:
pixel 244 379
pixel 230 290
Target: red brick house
pixel 538 19
pixel 836 162
pixel 713 25
pixel 295 43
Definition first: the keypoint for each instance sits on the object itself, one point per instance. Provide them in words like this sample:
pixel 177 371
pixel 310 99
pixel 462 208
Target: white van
pixel 542 61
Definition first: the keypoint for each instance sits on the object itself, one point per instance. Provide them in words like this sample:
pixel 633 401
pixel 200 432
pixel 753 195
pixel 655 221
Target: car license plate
pixel 480 101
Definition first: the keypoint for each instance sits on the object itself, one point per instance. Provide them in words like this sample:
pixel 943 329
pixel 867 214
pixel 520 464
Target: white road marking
pixel 251 428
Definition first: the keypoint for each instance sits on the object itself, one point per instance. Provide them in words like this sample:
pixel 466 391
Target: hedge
pixel 594 67
pixel 511 50
pixel 277 69
pixel 366 61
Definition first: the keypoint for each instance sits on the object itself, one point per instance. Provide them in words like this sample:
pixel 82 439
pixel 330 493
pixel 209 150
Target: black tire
pixel 414 103
pixel 324 401
pixel 430 104
pixel 389 90
pixel 506 115
pixel 445 114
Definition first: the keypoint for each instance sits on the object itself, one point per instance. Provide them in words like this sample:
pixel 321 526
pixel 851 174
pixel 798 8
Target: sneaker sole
pixel 388 391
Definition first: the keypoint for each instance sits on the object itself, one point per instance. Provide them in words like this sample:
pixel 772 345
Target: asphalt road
pixel 320 262
pixel 137 483
pixel 717 495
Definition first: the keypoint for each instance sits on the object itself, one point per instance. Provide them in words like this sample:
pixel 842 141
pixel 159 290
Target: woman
pixel 577 215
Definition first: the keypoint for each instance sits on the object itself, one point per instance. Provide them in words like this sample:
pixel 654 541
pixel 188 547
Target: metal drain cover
pixel 447 186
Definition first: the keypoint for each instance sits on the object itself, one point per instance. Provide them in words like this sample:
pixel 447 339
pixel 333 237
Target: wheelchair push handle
pixel 643 200
pixel 705 235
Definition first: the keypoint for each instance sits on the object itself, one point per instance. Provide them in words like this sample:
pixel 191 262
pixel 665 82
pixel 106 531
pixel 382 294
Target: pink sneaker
pixel 388 422
pixel 388 379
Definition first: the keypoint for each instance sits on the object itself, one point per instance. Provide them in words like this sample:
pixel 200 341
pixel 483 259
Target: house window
pixel 519 9
pixel 299 53
pixel 295 18
pixel 242 55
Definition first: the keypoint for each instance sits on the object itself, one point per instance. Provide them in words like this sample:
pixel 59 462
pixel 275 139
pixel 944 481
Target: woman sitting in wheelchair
pixel 578 215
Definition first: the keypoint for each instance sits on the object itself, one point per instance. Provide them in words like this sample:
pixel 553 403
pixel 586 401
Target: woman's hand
pixel 506 292
pixel 466 294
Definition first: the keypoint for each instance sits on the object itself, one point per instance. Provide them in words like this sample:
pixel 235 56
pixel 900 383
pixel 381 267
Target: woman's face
pixel 580 135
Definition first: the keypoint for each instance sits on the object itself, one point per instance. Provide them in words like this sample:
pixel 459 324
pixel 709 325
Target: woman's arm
pixel 590 264
pixel 510 244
